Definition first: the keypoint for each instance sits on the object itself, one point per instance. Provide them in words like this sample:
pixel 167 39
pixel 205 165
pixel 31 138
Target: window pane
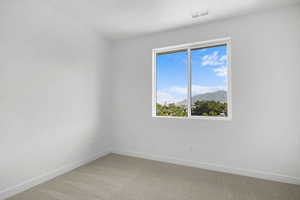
pixel 209 81
pixel 171 84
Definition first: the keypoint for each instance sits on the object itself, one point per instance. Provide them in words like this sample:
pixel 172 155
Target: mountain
pixel 219 95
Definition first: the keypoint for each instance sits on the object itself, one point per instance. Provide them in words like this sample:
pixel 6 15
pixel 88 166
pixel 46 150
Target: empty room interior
pixel 150 100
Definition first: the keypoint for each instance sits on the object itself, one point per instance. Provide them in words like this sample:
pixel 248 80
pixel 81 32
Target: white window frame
pixel 189 47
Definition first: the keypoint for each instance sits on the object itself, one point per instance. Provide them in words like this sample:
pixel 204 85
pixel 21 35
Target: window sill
pixel 196 117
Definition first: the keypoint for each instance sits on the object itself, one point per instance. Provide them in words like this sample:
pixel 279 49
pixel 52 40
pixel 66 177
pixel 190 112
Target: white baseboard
pixel 47 176
pixel 214 167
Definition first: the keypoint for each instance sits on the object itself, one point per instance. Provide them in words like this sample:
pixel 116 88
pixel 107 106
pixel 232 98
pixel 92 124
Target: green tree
pixel 200 108
pixel 171 110
pixel 209 108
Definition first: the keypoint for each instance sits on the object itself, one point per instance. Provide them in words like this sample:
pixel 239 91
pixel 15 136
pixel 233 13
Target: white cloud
pixel 213 59
pixel 221 71
pixel 171 95
pixel 165 97
pixel 178 90
pixel 223 58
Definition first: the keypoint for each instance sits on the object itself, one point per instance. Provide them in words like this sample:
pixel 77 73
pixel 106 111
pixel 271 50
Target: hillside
pixel 220 96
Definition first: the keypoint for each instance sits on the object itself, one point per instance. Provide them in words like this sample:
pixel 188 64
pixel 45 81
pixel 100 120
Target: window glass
pixel 209 81
pixel 171 84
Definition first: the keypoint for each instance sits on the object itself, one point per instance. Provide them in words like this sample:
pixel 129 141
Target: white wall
pixel 56 101
pixel 54 95
pixel 263 139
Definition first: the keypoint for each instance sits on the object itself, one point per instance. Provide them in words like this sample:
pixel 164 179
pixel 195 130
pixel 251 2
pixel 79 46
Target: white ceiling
pixel 124 18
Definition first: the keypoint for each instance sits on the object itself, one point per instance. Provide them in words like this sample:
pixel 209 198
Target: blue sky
pixel 209 73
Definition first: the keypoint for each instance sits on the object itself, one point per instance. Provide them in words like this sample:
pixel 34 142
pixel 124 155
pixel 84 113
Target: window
pixel 192 81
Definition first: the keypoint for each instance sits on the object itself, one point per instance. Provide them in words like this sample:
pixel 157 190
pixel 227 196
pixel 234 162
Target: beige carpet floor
pixel 116 177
